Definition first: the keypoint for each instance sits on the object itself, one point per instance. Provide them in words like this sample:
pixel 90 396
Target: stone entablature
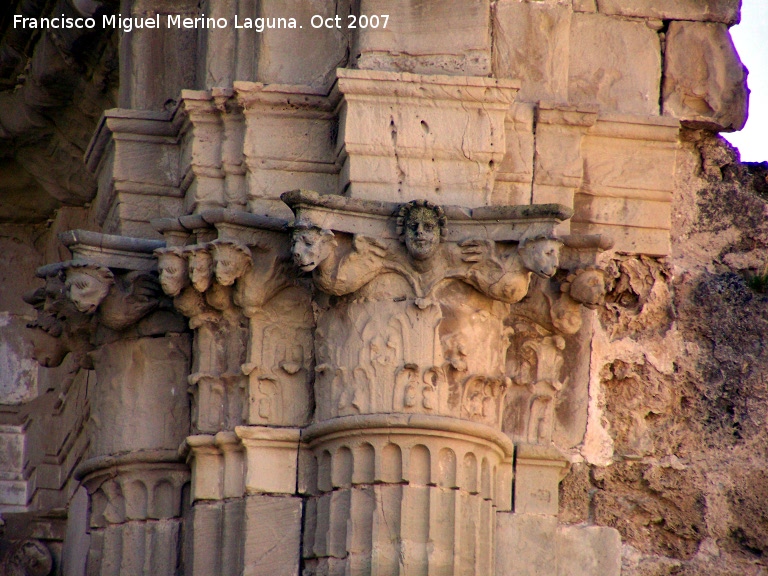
pixel 380 133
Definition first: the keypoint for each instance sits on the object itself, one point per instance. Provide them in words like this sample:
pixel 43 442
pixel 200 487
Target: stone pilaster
pixel 105 306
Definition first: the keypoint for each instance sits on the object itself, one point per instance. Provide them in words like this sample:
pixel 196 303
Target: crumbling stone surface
pixel 685 440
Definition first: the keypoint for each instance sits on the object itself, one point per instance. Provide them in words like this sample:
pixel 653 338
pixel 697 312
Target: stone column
pixel 251 389
pixel 139 412
pixel 409 464
pixel 405 494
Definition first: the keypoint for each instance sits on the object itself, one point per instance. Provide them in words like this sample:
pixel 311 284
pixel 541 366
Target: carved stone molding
pixel 392 490
pixel 142 486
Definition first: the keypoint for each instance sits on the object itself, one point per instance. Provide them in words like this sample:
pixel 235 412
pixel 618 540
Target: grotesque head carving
pixel 230 259
pixel 588 288
pixel 310 245
pixel 540 255
pixel 200 266
pixel 420 225
pixel 87 285
pixel 172 269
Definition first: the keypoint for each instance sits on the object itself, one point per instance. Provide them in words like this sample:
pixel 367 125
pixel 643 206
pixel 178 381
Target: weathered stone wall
pixel 676 451
pixel 607 107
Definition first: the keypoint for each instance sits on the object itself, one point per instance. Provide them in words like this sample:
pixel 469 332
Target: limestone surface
pixel 468 288
pixel 704 82
pixel 614 63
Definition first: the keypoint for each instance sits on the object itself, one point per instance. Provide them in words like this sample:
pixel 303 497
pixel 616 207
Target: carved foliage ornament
pixel 433 321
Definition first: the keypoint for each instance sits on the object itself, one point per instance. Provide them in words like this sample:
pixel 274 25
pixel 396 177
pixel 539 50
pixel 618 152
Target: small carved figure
pixel 173 271
pixel 87 285
pixel 131 297
pixel 587 287
pixel 120 301
pixel 316 250
pixel 231 260
pixel 506 277
pixel 44 333
pixel 311 245
pixel 28 558
pixel 200 266
pixel 420 226
pixel 583 288
pixel 540 255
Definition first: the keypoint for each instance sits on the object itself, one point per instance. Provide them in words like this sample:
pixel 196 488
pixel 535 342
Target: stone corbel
pixel 113 279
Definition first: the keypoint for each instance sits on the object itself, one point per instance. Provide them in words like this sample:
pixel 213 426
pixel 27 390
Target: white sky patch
pixel 751 40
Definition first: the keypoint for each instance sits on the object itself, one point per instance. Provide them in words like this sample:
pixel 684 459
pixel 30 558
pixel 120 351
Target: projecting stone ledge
pixel 726 11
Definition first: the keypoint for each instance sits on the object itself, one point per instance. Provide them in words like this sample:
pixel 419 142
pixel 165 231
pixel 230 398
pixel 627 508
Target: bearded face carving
pixel 421 226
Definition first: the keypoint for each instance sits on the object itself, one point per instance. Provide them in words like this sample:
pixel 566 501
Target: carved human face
pixel 541 256
pixel 172 269
pixel 230 264
pixel 589 288
pixel 200 269
pixel 86 291
pixel 310 247
pixel 422 233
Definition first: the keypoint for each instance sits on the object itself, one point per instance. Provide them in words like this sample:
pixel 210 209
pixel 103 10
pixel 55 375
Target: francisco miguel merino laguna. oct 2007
pixel 128 23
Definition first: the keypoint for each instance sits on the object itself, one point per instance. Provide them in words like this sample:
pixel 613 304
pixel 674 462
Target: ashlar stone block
pixel 322 49
pixel 531 43
pixel 726 11
pixel 449 37
pixel 588 550
pixel 538 471
pixel 614 63
pixel 272 536
pixel 704 80
pixel 437 137
pixel 141 402
pixel 535 545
